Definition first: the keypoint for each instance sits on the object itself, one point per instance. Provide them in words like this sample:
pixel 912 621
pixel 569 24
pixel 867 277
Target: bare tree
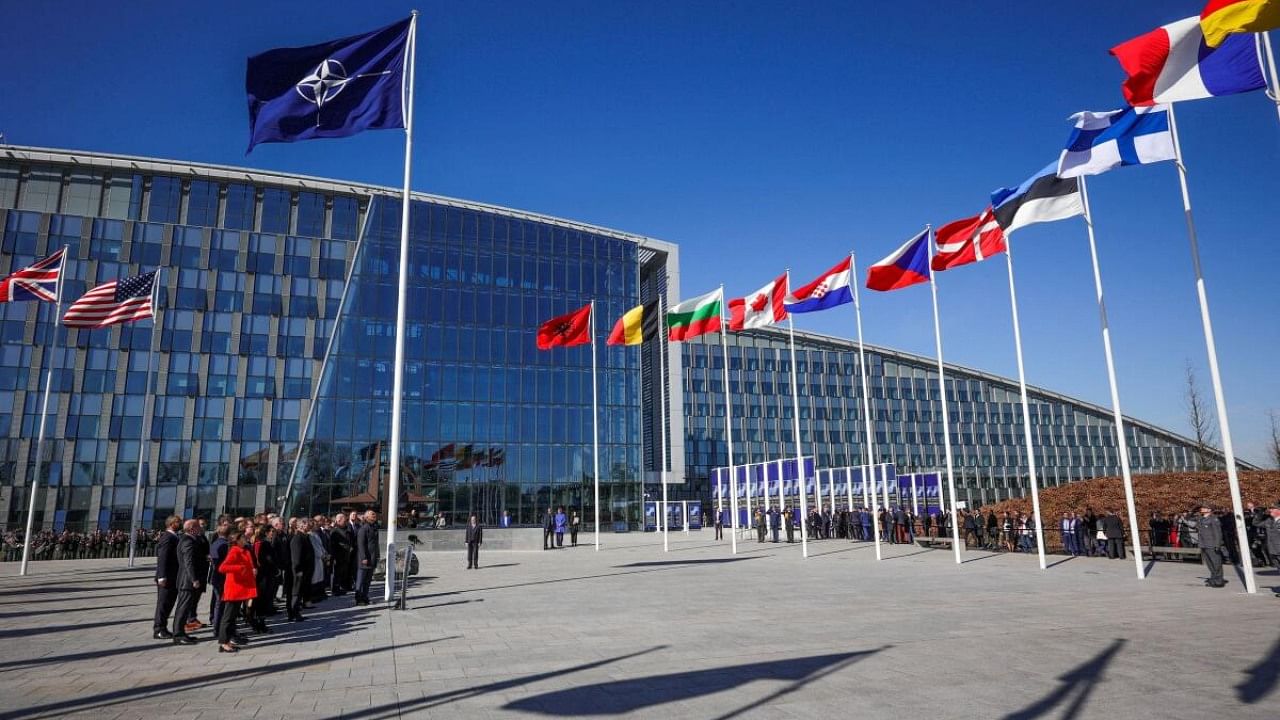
pixel 1203 427
pixel 1275 438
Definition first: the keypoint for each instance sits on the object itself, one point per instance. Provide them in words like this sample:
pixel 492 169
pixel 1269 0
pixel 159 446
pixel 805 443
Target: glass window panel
pixel 40 190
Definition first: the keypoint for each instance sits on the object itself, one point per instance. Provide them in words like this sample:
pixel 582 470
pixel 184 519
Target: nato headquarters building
pixel 277 316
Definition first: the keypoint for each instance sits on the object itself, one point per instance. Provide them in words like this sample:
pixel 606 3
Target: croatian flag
pixel 1104 141
pixel 830 289
pixel 1174 63
pixel 907 266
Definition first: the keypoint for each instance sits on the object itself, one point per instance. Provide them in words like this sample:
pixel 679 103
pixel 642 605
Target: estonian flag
pixel 1043 197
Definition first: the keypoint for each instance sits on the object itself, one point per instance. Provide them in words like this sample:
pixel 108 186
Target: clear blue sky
pixel 758 136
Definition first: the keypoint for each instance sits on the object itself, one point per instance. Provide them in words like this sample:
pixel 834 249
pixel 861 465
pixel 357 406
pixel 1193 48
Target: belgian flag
pixel 639 324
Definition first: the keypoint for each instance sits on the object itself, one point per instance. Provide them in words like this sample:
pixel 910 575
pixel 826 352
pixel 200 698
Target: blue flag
pixel 333 89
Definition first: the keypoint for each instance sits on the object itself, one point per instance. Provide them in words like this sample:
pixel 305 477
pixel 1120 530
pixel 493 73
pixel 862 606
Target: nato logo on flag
pixel 330 90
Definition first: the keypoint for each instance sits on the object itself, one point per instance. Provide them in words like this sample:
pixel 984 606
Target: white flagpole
pixel 1122 442
pixel 867 494
pixel 36 483
pixel 915 497
pixel 1273 89
pixel 1228 452
pixel 402 291
pixel 662 393
pixel 136 516
pixel 595 429
pixel 1026 408
pixel 942 388
pixel 795 411
pixel 831 490
pixel 782 504
pixel 728 428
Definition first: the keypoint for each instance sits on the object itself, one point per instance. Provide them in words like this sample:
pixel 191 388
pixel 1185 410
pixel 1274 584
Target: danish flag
pixel 38 282
pixel 968 241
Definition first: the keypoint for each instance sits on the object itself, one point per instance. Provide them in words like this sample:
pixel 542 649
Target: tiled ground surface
pixel 694 633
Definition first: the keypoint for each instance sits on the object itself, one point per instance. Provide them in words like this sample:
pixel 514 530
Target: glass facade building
pixel 1073 440
pixel 277 319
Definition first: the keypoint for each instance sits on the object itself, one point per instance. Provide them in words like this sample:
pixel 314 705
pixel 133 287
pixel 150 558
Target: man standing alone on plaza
pixel 475 538
pixel 367 555
pixel 1210 531
pixel 166 577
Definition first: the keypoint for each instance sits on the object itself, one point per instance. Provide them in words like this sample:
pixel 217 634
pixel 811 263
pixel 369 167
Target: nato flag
pixel 334 89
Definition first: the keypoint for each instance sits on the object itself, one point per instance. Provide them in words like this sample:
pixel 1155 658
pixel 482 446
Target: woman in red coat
pixel 240 586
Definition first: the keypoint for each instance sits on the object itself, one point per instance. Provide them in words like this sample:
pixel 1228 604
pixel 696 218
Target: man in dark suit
pixel 302 560
pixel 193 569
pixel 166 577
pixel 280 549
pixel 1114 531
pixel 548 527
pixel 217 553
pixel 341 546
pixel 475 538
pixel 367 555
pixel 201 540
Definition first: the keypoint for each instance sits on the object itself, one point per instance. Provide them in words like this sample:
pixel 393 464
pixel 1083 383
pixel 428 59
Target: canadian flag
pixel 968 241
pixel 761 308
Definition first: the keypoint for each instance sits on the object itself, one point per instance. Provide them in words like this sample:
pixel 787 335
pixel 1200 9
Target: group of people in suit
pixel 554 525
pixel 244 564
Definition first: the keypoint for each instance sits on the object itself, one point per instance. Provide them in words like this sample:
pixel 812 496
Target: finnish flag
pixel 1103 141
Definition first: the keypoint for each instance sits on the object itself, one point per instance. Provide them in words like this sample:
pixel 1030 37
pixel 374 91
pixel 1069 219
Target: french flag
pixel 907 266
pixel 830 289
pixel 1174 63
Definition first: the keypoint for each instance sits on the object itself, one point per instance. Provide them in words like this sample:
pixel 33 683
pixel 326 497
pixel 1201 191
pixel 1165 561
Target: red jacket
pixel 238 570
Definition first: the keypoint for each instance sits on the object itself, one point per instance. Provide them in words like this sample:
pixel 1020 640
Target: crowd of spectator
pixel 1086 533
pixel 71 545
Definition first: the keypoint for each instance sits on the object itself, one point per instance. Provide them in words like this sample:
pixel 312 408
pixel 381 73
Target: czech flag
pixel 1174 63
pixel 907 266
pixel 1222 18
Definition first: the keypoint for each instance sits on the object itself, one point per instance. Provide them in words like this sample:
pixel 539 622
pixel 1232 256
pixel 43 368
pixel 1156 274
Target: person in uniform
pixel 1209 529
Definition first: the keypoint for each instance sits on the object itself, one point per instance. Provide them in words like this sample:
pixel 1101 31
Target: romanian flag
pixel 1221 18
pixel 639 324
pixel 566 330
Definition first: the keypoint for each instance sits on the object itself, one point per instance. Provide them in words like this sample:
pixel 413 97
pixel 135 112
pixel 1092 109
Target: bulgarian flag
pixel 695 317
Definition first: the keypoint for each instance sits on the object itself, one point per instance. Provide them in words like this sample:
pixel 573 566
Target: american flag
pixel 38 282
pixel 119 301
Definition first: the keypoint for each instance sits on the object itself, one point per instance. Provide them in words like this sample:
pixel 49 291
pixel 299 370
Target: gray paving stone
pixel 631 631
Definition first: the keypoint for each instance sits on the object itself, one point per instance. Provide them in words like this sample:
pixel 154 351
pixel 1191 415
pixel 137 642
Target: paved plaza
pixel 694 633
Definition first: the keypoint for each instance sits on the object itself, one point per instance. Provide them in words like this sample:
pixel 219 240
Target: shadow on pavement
pixel 447 604
pixel 47 629
pixel 395 709
pixel 627 696
pixel 247 671
pixel 60 611
pixel 1079 682
pixel 1262 677
pixel 864 546
pixel 665 563
pixel 1068 559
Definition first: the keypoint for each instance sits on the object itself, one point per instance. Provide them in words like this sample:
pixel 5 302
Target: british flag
pixel 38 282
